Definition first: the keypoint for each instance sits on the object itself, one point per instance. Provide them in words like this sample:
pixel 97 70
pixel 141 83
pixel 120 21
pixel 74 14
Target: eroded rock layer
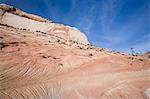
pixel 14 17
pixel 37 65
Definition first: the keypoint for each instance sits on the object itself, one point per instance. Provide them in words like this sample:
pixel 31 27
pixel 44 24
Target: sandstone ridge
pixel 36 64
pixel 14 17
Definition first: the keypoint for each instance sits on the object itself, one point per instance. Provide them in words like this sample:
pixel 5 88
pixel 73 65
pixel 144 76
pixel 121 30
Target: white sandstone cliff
pixel 19 19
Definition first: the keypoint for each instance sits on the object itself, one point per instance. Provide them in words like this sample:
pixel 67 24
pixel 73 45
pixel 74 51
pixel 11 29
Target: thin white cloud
pixel 50 10
pixel 110 9
pixel 86 21
pixel 128 29
pixel 74 4
pixel 86 24
pixel 132 27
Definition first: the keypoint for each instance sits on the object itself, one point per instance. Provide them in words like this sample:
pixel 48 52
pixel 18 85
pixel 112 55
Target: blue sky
pixel 115 24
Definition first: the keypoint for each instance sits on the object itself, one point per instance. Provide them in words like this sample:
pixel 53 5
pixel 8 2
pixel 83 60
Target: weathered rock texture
pixel 14 17
pixel 38 65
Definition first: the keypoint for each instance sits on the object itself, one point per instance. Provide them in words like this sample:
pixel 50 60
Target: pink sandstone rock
pixel 34 65
pixel 23 20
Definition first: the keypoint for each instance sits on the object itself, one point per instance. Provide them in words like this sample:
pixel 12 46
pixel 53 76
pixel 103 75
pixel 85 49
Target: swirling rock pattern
pixel 41 66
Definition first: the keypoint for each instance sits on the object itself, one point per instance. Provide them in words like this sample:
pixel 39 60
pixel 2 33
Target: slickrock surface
pixel 14 17
pixel 40 59
pixel 37 65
